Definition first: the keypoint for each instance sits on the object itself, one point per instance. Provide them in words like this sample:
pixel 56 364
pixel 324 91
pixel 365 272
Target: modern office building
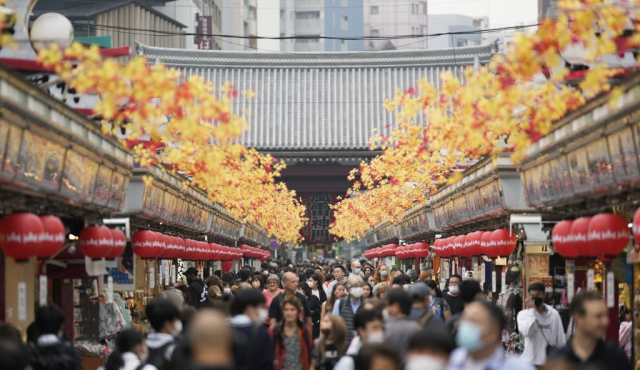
pixel 391 18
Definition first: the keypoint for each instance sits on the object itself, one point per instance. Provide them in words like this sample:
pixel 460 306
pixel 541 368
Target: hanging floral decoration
pixel 501 107
pixel 187 126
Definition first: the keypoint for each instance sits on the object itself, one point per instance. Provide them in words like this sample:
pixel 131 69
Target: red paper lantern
pixel 487 248
pixel 473 243
pixel 423 250
pixel 147 244
pixel 563 240
pixel 52 238
pixel 458 246
pixel 119 244
pixel 226 266
pixel 579 234
pixel 505 242
pixel 608 233
pixel 188 250
pixel 95 241
pixel 20 235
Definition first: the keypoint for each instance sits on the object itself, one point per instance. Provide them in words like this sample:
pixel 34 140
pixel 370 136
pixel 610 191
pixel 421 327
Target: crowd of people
pixel 331 316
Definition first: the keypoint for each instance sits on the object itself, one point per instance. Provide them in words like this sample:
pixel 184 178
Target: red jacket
pixel 306 343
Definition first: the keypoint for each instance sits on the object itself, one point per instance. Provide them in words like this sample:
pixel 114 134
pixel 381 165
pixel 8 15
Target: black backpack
pixel 156 356
pixel 56 357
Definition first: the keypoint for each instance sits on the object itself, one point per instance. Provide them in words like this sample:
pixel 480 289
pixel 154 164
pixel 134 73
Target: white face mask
pixel 377 337
pixel 227 290
pixel 311 284
pixel 177 328
pixel 385 314
pixel 262 315
pixel 356 292
pixel 421 362
pixel 454 289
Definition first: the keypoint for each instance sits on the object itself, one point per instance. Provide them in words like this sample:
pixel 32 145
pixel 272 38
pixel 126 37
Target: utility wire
pixel 310 37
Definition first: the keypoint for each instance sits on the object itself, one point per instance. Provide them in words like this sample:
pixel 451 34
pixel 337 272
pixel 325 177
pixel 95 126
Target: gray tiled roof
pixel 317 101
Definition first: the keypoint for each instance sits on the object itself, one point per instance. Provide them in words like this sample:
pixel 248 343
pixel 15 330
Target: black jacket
pixel 197 291
pixel 606 355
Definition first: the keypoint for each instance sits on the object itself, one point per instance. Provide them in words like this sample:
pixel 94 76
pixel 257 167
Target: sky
pixel 501 13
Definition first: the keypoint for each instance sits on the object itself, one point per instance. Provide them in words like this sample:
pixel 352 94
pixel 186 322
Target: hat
pixel 420 290
pixel 192 271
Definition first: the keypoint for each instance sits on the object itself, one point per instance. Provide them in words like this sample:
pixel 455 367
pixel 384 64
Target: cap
pixel 191 270
pixel 420 290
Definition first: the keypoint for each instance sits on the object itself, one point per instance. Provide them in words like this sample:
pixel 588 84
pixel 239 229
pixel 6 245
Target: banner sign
pixel 320 217
pixel 205 41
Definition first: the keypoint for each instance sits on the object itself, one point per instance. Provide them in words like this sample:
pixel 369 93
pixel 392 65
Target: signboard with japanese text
pixel 205 41
pixel 320 217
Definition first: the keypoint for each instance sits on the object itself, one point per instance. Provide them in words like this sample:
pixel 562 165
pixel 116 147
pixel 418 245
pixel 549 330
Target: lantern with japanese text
pixel 608 234
pixel 95 241
pixel 119 244
pixel 488 249
pixel 53 236
pixel 563 240
pixel 505 242
pixel 579 235
pixel 458 246
pixel 636 226
pixel 147 244
pixel 422 250
pixel 20 235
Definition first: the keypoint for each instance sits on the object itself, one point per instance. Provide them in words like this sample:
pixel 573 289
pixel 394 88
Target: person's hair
pixel 338 335
pixel 353 280
pixel 363 317
pixel 380 289
pixel 339 267
pixel 213 280
pixel 160 311
pixel 318 280
pixel 495 313
pixel 411 273
pixel 367 286
pixel 126 340
pixel 186 315
pixel 402 297
pixel 332 298
pixel 228 277
pixel 469 290
pixel 425 275
pixel 536 286
pixel 293 301
pixel 580 299
pixel 273 277
pixel 49 319
pixel 8 331
pixel 32 333
pixel 214 292
pixel 434 286
pixel 401 280
pixel 454 276
pixel 241 286
pixel 14 355
pixel 432 339
pixel 301 277
pixel 245 273
pixel 259 279
pixel 378 278
pixel 329 278
pixel 309 272
pixel 218 273
pixel 246 298
pixel 306 290
pixel 369 352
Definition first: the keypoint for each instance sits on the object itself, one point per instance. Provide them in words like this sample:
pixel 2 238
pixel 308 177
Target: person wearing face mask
pixel 479 339
pixel 330 345
pixel 315 282
pixel 382 274
pixel 421 311
pixel 316 309
pixel 252 347
pixel 197 290
pixel 164 319
pixel 356 268
pixel 453 295
pixel 470 291
pixel 369 329
pixel 348 306
pixel 541 326
pixel 130 353
pixel 429 350
pixel 50 351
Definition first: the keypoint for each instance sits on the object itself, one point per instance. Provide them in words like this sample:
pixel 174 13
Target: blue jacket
pixel 252 345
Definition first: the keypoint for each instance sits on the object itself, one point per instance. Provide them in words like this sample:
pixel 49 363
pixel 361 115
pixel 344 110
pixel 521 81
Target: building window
pixel 374 10
pixel 344 23
pixel 307 15
pixel 344 46
pixel 375 33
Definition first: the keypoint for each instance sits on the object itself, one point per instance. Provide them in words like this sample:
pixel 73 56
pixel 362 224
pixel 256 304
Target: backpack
pixel 55 357
pixel 156 356
pixel 424 320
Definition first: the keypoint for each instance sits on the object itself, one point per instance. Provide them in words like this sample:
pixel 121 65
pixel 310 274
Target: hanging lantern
pixel 636 226
pixel 147 244
pixel 608 233
pixel 505 241
pixel 579 235
pixel 179 249
pixel 52 238
pixel 488 248
pixel 20 235
pixel 458 246
pixel 119 244
pixel 95 241
pixel 188 250
pixel 563 240
pixel 422 250
pixel 474 240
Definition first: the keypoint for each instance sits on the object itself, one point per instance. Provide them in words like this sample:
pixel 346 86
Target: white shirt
pixel 316 293
pixel 535 345
pixel 131 362
pixel 346 362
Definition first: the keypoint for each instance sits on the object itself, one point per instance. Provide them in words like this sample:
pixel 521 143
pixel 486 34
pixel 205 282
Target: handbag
pixel 550 349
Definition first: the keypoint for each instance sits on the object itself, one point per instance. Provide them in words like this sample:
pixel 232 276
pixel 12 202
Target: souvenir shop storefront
pixel 583 179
